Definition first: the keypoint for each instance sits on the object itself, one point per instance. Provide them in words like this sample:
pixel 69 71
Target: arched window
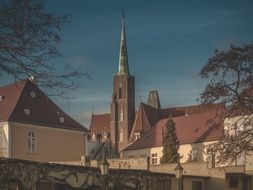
pixel 121 114
pixel 31 142
pixel 121 135
pixel 120 90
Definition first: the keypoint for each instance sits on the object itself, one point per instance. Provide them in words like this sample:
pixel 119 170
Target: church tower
pixel 123 99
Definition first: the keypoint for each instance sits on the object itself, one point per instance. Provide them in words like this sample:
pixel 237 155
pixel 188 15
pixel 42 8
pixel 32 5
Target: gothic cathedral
pixel 122 112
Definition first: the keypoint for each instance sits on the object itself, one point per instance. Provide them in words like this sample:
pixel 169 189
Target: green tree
pixel 170 144
pixel 229 76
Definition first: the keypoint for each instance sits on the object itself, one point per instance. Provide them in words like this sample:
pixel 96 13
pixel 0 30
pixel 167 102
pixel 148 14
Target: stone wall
pixel 29 175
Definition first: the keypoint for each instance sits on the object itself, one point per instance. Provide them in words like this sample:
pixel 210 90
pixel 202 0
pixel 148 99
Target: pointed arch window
pixel 121 135
pixel 121 114
pixel 31 142
pixel 120 90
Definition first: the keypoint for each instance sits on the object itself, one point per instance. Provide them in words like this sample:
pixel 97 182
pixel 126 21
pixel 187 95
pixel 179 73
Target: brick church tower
pixel 123 99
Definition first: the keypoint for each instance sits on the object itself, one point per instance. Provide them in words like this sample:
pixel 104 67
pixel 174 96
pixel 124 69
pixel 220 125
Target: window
pixel 154 158
pixel 193 155
pixel 233 183
pixel 121 114
pixel 1 98
pixel 32 94
pixel 61 119
pixel 93 136
pixel 120 90
pixel 137 136
pixel 27 111
pixel 31 142
pixel 197 185
pixel 105 135
pixel 121 135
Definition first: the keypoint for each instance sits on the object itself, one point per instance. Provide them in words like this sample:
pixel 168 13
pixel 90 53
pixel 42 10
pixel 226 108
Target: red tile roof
pixel 188 110
pixel 145 118
pixel 100 123
pixel 190 129
pixel 43 111
pixel 10 95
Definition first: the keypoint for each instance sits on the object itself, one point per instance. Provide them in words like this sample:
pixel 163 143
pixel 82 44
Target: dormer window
pixel 1 98
pixel 137 136
pixel 32 94
pixel 61 119
pixel 27 111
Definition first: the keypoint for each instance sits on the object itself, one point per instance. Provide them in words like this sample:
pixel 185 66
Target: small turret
pixel 153 99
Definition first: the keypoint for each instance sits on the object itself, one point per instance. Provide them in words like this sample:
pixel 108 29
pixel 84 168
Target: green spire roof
pixel 123 59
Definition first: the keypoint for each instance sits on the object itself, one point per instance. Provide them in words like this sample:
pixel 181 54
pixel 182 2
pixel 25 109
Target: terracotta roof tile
pixel 100 122
pixel 43 111
pixel 153 114
pixel 188 110
pixel 190 129
pixel 145 118
pixel 10 95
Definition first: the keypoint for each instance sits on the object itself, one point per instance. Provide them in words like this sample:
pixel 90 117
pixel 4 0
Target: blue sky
pixel 168 43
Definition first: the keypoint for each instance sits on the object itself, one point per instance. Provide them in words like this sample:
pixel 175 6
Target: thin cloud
pixel 215 20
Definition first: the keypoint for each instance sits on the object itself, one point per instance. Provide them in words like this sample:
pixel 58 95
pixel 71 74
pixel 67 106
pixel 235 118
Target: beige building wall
pixel 139 153
pixel 52 144
pixel 248 162
pixel 198 149
pixel 5 139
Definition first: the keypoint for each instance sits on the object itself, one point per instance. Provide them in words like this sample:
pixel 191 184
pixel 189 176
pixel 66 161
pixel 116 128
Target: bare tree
pixel 28 42
pixel 230 82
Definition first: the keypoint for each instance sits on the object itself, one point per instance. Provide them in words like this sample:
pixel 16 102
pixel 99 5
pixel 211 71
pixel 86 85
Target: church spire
pixel 123 59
